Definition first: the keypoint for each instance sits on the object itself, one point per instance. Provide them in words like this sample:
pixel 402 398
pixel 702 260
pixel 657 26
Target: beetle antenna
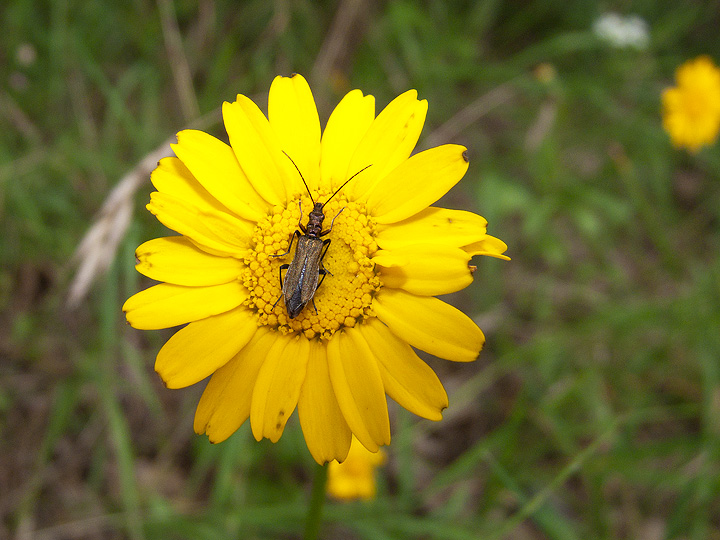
pixel 301 176
pixel 346 181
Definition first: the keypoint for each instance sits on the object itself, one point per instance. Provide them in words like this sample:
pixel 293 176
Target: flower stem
pixel 317 499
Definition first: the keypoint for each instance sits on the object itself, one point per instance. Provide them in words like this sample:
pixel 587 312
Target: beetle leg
pixel 302 228
pixel 323 273
pixel 332 222
pixel 323 270
pixel 282 267
pixel 326 245
pixel 296 233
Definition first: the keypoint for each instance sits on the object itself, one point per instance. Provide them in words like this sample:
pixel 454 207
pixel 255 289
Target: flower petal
pixel 326 432
pixel 388 258
pixel 388 142
pixel 358 386
pixel 219 232
pixel 294 118
pixel 278 386
pixel 355 477
pixel 175 259
pixel 258 151
pixel 433 225
pixel 225 403
pixel 167 305
pixel 173 178
pixel 407 379
pixel 346 126
pixel 429 324
pixel 426 269
pixel 490 246
pixel 214 165
pixel 417 183
pixel 196 351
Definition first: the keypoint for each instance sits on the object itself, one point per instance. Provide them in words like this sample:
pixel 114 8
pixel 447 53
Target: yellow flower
pixel 691 110
pixel 236 207
pixel 354 478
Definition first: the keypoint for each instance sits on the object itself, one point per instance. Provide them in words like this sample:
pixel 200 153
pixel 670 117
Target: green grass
pixel 593 411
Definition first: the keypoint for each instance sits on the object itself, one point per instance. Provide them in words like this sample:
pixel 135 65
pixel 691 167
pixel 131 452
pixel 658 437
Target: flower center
pixel 345 296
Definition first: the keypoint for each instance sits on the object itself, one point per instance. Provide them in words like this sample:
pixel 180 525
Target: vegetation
pixel 594 410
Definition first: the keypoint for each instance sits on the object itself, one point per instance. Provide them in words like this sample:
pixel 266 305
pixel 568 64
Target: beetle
pixel 304 271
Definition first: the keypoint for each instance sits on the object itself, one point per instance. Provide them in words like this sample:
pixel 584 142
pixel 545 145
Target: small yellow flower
pixel 354 478
pixel 236 207
pixel 691 110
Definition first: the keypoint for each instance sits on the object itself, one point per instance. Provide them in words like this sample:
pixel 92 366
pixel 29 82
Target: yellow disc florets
pixel 345 296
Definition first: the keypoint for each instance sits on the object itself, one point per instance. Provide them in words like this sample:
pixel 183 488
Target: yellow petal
pixel 417 183
pixel 326 431
pixel 214 165
pixel 200 348
pixel 218 231
pixel 225 403
pixel 490 246
pixel 355 477
pixel 278 386
pixel 258 150
pixel 358 387
pixel 346 126
pixel 429 324
pixel 294 118
pixel 407 379
pixel 166 305
pixel 429 269
pixel 390 258
pixel 433 226
pixel 388 142
pixel 175 259
pixel 173 178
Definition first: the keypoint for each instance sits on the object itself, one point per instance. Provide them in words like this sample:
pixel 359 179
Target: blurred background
pixel 594 409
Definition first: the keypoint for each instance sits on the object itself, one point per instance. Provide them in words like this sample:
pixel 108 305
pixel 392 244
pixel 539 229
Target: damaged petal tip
pixel 465 156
